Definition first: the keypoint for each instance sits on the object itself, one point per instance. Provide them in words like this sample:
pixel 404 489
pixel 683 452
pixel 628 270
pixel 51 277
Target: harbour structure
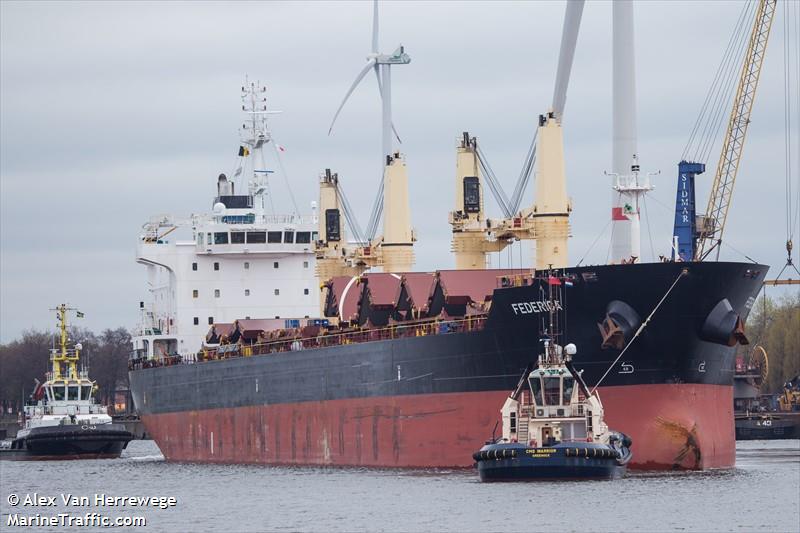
pixel 759 416
pixel 359 391
pixel 242 259
pixel 62 420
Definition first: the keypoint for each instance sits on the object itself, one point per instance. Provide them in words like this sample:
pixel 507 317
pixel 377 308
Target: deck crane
pixel 712 224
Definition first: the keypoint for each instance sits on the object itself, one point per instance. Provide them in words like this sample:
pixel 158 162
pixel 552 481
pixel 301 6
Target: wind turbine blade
pixel 360 77
pixel 375 27
pixel 569 38
pixel 380 90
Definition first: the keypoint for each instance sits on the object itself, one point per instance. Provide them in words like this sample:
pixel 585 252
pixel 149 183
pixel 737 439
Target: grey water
pixel 762 493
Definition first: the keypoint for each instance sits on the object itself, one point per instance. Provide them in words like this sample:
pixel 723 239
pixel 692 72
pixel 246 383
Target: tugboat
pixel 63 421
pixel 553 426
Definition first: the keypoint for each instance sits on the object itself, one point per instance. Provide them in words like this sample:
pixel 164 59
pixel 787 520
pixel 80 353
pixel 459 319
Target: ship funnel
pixel 224 187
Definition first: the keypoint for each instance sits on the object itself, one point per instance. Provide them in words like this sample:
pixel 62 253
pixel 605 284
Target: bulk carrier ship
pixel 406 369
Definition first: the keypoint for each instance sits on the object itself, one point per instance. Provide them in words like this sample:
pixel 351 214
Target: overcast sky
pixel 113 112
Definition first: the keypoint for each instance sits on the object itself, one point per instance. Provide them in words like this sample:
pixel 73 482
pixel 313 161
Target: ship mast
pixel 627 187
pixel 64 356
pixel 255 135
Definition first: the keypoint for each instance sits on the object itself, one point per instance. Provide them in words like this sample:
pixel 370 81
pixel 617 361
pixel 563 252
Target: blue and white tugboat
pixel 63 421
pixel 553 425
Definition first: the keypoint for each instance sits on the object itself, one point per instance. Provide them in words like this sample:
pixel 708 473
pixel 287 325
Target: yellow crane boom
pixel 722 189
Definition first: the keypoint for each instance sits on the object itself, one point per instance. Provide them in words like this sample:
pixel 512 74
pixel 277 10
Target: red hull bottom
pixel 672 426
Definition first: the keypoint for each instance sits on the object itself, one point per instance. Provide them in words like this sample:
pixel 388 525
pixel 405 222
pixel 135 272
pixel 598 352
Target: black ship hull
pixel 576 461
pixel 428 400
pixel 74 441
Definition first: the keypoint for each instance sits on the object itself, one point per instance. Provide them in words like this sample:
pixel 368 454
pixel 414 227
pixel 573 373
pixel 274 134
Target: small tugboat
pixel 553 424
pixel 63 421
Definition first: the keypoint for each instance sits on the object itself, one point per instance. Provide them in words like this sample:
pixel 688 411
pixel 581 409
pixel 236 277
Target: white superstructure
pixel 67 397
pixel 241 260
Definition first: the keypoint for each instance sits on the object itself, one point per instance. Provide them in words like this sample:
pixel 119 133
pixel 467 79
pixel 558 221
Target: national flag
pixel 238 171
pixel 552 280
pixel 78 314
pixel 281 148
pixel 243 151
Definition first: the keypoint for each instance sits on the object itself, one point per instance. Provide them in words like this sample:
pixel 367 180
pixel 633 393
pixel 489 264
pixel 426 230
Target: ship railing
pixel 296 343
pixel 514 280
pixel 165 360
pixel 202 220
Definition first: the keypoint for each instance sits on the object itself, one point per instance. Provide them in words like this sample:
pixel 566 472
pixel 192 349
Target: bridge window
pixel 305 264
pixel 273 237
pixel 303 237
pixel 305 291
pixel 72 392
pixel 86 393
pixel 237 237
pixel 277 292
pixel 216 293
pixel 247 292
pixel 256 237
pixel 275 264
pixel 536 389
pixel 513 422
pixel 195 293
pixel 221 237
pixel 552 390
pixel 569 384
pixel 288 237
pixel 58 392
pixel 216 266
pixel 194 267
pixel 196 321
pixel 247 265
pixel 211 321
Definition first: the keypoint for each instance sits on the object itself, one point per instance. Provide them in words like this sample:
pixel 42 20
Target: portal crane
pixel 712 224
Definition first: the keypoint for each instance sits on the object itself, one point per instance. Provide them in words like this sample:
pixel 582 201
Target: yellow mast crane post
pixel 64 355
pixel 722 189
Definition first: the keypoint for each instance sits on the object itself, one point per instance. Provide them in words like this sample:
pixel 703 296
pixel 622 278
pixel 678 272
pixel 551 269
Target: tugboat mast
pixel 64 355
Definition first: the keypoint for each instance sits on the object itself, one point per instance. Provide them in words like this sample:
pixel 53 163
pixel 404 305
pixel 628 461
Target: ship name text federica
pixel 542 306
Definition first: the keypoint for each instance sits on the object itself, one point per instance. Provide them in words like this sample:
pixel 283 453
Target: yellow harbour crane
pixel 713 224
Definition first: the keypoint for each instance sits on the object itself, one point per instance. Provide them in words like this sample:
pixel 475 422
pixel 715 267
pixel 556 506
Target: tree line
pixel 774 324
pixel 24 360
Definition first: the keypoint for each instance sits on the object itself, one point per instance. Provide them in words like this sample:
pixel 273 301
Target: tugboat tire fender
pixel 602 453
pixel 501 453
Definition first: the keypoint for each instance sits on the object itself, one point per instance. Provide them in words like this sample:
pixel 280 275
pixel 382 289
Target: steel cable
pixel 641 328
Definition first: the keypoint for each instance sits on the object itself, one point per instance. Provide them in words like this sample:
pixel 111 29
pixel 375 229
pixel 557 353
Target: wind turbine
pixel 396 244
pixel 381 64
